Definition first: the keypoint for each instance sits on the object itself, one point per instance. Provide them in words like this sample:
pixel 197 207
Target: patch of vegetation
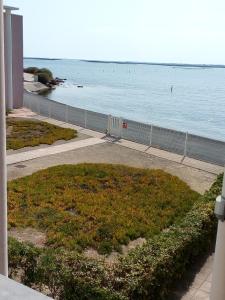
pixel 23 133
pixel 98 205
pixel 148 272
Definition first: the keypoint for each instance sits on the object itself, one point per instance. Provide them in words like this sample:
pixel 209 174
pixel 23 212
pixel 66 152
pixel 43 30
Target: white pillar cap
pixel 9 9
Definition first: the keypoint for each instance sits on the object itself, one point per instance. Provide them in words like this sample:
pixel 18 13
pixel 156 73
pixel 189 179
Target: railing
pixel 182 143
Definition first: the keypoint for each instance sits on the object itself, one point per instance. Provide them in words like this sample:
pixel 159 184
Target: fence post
pixel 218 274
pixel 150 141
pixel 3 168
pixel 120 127
pixel 39 107
pixel 85 118
pixel 27 103
pixel 50 109
pixel 67 114
pixel 109 125
pixel 185 145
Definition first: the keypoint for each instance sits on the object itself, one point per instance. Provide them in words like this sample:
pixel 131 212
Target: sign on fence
pixel 125 125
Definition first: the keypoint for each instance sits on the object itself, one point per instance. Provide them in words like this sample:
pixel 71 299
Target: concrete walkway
pixel 51 150
pixel 197 284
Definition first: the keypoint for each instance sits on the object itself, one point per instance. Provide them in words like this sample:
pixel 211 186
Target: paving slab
pixel 165 154
pixel 49 120
pixel 212 168
pixel 132 145
pixel 199 287
pixel 22 113
pixel 34 154
pixel 71 126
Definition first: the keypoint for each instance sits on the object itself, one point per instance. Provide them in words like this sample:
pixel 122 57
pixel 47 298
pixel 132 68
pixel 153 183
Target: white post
pixel 38 107
pixel 9 71
pixel 218 279
pixel 185 144
pixel 109 125
pixel 85 118
pixel 120 127
pixel 50 109
pixel 3 180
pixel 150 141
pixel 67 114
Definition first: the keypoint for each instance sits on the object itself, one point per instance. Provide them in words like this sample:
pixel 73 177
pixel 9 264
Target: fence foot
pixel 183 159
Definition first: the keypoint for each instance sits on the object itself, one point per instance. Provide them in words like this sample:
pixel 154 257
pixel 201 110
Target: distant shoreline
pixel 155 64
pixel 42 58
pixel 135 63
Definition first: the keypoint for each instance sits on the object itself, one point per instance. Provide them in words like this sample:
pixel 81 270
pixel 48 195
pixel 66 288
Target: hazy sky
pixel 190 31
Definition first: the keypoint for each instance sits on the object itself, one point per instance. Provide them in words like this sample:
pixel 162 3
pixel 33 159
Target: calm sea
pixel 143 93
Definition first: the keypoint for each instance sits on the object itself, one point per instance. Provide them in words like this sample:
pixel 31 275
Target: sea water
pixel 184 98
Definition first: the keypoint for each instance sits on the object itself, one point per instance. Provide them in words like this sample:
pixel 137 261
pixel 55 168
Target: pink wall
pixel 17 48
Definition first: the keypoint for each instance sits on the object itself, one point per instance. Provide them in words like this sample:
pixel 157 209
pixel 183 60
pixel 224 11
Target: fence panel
pixel 26 100
pixel 58 111
pixel 32 101
pixel 168 139
pixel 44 107
pixel 197 147
pixel 96 121
pixel 76 116
pixel 114 126
pixel 136 132
pixel 206 149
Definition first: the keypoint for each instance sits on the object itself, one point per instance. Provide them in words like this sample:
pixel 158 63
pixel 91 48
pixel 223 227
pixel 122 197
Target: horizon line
pixel 170 64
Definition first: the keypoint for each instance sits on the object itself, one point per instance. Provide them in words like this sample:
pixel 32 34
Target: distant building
pixel 13 58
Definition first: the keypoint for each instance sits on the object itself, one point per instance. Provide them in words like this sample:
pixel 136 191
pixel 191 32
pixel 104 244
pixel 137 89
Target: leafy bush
pixel 146 273
pixel 44 78
pixel 31 70
pixel 44 74
pixel 45 71
pixel 98 205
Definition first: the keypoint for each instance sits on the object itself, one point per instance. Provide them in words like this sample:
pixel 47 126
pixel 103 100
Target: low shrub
pixel 46 71
pixel 24 133
pixel 31 70
pixel 44 78
pixel 147 272
pixel 44 74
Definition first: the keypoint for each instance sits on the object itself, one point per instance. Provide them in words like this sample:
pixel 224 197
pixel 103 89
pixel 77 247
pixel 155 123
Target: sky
pixel 181 31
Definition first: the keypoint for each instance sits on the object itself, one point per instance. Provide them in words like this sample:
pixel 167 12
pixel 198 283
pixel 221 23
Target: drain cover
pixel 20 166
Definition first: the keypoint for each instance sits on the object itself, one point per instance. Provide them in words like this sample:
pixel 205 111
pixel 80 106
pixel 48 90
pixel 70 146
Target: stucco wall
pixel 17 49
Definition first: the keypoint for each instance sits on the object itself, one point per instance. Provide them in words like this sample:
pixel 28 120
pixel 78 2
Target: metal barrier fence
pixel 188 145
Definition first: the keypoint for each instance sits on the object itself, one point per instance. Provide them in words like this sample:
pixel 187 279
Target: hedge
pixel 148 272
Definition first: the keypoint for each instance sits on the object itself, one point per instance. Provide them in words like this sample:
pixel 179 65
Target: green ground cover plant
pixel 147 272
pixel 98 206
pixel 23 133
